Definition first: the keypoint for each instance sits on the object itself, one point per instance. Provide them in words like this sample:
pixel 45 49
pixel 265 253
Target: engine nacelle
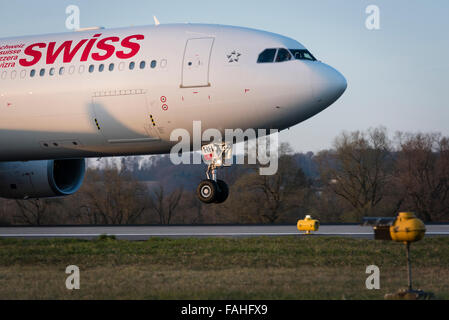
pixel 41 179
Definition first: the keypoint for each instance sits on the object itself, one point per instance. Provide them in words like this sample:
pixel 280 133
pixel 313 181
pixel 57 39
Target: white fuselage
pixel 181 74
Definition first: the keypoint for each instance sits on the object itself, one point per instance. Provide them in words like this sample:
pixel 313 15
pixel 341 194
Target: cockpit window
pixel 283 55
pixel 267 56
pixel 301 54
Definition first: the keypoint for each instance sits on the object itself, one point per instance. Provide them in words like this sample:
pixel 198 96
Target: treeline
pixel 365 174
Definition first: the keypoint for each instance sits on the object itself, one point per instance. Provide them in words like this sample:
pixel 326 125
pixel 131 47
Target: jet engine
pixel 41 179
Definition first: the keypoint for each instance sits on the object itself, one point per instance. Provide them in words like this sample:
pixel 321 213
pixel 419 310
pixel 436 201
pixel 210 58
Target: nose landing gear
pixel 213 190
pixel 210 191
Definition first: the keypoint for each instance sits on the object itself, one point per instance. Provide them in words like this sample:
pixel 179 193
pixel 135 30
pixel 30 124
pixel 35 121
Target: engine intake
pixel 41 179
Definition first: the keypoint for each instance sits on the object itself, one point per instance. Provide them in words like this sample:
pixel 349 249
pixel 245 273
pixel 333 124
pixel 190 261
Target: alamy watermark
pixel 73 280
pixel 372 22
pixel 257 146
pixel 73 17
pixel 373 280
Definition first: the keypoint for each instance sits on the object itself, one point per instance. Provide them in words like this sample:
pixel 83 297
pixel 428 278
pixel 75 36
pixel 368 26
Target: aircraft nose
pixel 327 84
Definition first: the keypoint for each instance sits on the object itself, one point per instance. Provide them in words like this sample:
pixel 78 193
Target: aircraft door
pixel 195 71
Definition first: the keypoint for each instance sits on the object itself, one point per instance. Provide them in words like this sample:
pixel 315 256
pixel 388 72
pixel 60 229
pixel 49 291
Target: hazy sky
pixel 398 76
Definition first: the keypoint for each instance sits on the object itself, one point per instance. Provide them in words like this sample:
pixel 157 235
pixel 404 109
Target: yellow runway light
pixel 407 228
pixel 308 224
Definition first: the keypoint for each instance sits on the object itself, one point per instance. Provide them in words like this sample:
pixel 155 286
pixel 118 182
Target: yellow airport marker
pixel 308 224
pixel 406 228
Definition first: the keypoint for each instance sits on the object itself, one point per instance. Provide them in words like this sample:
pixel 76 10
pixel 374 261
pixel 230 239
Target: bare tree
pixel 6 216
pixel 359 168
pixel 112 197
pixel 269 197
pixel 195 206
pixel 32 212
pixel 164 203
pixel 422 174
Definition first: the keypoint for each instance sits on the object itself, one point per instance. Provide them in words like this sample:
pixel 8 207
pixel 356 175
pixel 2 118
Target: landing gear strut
pixel 213 190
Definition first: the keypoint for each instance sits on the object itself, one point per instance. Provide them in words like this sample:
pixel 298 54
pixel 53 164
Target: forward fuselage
pixel 122 91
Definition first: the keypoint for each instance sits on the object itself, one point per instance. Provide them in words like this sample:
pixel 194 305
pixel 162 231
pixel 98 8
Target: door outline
pixel 104 124
pixel 208 64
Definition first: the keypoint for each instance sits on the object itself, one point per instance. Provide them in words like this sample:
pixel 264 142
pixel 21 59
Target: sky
pixel 398 76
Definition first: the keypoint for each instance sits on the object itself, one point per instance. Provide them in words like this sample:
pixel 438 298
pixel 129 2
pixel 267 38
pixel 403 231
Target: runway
pixel 146 232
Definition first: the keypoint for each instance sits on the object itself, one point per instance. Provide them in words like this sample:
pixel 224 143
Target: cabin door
pixel 195 71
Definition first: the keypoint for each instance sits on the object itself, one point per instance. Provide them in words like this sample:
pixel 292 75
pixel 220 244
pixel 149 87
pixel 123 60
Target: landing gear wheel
pixel 223 192
pixel 214 155
pixel 207 191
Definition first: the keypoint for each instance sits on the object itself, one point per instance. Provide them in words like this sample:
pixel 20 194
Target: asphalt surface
pixel 146 232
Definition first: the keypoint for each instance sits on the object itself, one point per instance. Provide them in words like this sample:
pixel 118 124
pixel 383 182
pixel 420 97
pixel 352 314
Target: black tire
pixel 207 191
pixel 223 192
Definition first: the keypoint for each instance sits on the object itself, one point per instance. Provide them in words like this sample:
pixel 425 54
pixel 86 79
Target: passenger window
pixel 111 67
pixel 32 73
pixel 132 65
pixel 81 69
pixel 61 71
pixel 267 56
pixel 23 74
pixel 283 55
pixel 142 65
pixel 153 64
pixel 4 74
pixel 91 68
pixel 52 71
pixel 42 72
pixel 101 68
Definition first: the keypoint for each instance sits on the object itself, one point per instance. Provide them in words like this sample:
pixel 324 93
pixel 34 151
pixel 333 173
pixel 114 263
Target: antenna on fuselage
pixel 156 21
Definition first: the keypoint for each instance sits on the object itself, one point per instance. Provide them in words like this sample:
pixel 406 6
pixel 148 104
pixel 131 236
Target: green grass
pixel 252 268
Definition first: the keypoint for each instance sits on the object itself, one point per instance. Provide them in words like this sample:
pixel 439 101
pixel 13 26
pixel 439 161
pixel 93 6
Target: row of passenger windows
pixel 281 55
pixel 92 68
pixel 101 67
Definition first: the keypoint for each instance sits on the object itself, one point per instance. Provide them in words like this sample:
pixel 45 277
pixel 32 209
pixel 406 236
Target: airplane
pixel 117 92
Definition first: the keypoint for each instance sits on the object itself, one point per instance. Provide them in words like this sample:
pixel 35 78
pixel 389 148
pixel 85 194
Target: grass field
pixel 252 268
